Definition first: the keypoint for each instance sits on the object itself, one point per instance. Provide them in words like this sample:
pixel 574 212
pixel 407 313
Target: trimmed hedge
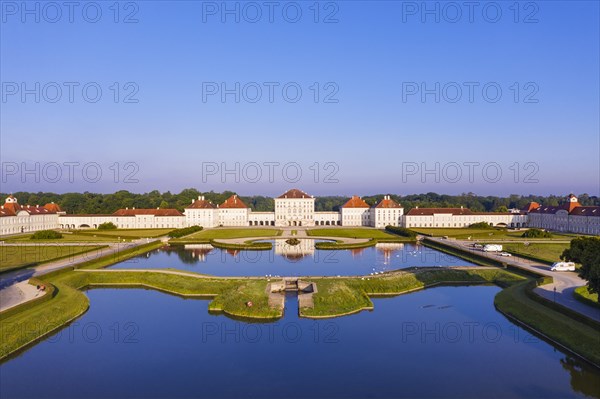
pixel 401 231
pixel 536 233
pixel 184 231
pixel 107 226
pixel 46 235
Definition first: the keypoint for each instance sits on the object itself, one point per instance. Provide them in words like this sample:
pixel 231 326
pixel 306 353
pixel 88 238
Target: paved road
pixel 17 294
pixel 564 282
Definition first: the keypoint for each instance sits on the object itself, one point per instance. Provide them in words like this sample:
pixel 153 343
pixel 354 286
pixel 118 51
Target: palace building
pixel 295 208
pixel 570 217
pixel 15 218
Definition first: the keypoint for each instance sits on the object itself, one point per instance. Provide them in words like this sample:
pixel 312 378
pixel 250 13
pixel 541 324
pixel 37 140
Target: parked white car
pixel 563 267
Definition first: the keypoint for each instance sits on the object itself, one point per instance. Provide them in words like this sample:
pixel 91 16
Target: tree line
pixel 81 203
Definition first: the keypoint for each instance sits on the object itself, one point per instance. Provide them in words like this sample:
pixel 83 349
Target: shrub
pixel 401 231
pixel 107 226
pixel 292 241
pixel 46 235
pixel 480 225
pixel 184 231
pixel 536 233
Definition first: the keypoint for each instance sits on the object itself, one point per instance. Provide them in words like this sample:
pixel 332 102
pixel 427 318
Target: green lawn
pixel 353 233
pixel 67 237
pixel 484 234
pixel 548 253
pixel 126 233
pixel 584 295
pixel 205 236
pixel 13 257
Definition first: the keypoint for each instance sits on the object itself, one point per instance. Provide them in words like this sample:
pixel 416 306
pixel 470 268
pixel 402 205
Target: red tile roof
pixel 12 208
pixel 52 207
pixel 233 202
pixel 201 203
pixel 294 193
pixel 154 212
pixel 355 202
pixel 387 202
pixel 531 206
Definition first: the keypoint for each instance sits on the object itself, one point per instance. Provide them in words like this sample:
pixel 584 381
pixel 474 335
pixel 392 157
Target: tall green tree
pixel 586 251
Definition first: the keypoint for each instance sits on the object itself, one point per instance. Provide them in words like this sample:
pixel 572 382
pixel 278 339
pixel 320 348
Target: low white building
pixel 461 217
pixel 15 219
pixel 261 218
pixel 127 219
pixel 327 219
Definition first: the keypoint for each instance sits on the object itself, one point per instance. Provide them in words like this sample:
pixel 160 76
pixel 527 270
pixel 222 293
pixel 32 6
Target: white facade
pixel 15 219
pixel 571 217
pixel 386 213
pixel 327 219
pixel 294 208
pixel 461 217
pixel 356 212
pixel 201 213
pixel 139 221
pixel 261 218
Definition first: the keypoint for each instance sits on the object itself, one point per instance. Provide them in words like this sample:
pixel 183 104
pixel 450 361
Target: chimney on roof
pixel 461 207
pixel 192 200
pixel 126 207
pixel 134 207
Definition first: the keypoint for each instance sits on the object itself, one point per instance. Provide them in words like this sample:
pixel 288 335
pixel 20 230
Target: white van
pixel 492 248
pixel 563 267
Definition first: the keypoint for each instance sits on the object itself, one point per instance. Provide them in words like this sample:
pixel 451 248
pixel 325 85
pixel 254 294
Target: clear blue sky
pixel 372 55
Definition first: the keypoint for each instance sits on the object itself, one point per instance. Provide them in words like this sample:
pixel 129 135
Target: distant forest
pixel 78 203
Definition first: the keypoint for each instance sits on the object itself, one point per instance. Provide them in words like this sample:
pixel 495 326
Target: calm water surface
pixel 441 342
pixel 288 260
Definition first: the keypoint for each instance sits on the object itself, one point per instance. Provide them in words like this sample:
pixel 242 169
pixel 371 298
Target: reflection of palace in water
pixel 388 249
pixel 199 251
pixel 304 248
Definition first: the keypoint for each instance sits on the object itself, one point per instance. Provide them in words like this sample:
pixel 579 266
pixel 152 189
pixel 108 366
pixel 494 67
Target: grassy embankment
pixel 577 333
pixel 19 257
pixel 335 297
pixel 210 236
pixel 583 295
pixel 492 234
pixel 64 302
pixel 373 235
pixel 574 332
pixel 345 295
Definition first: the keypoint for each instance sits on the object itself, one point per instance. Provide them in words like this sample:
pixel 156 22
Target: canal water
pixel 440 342
pixel 292 260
